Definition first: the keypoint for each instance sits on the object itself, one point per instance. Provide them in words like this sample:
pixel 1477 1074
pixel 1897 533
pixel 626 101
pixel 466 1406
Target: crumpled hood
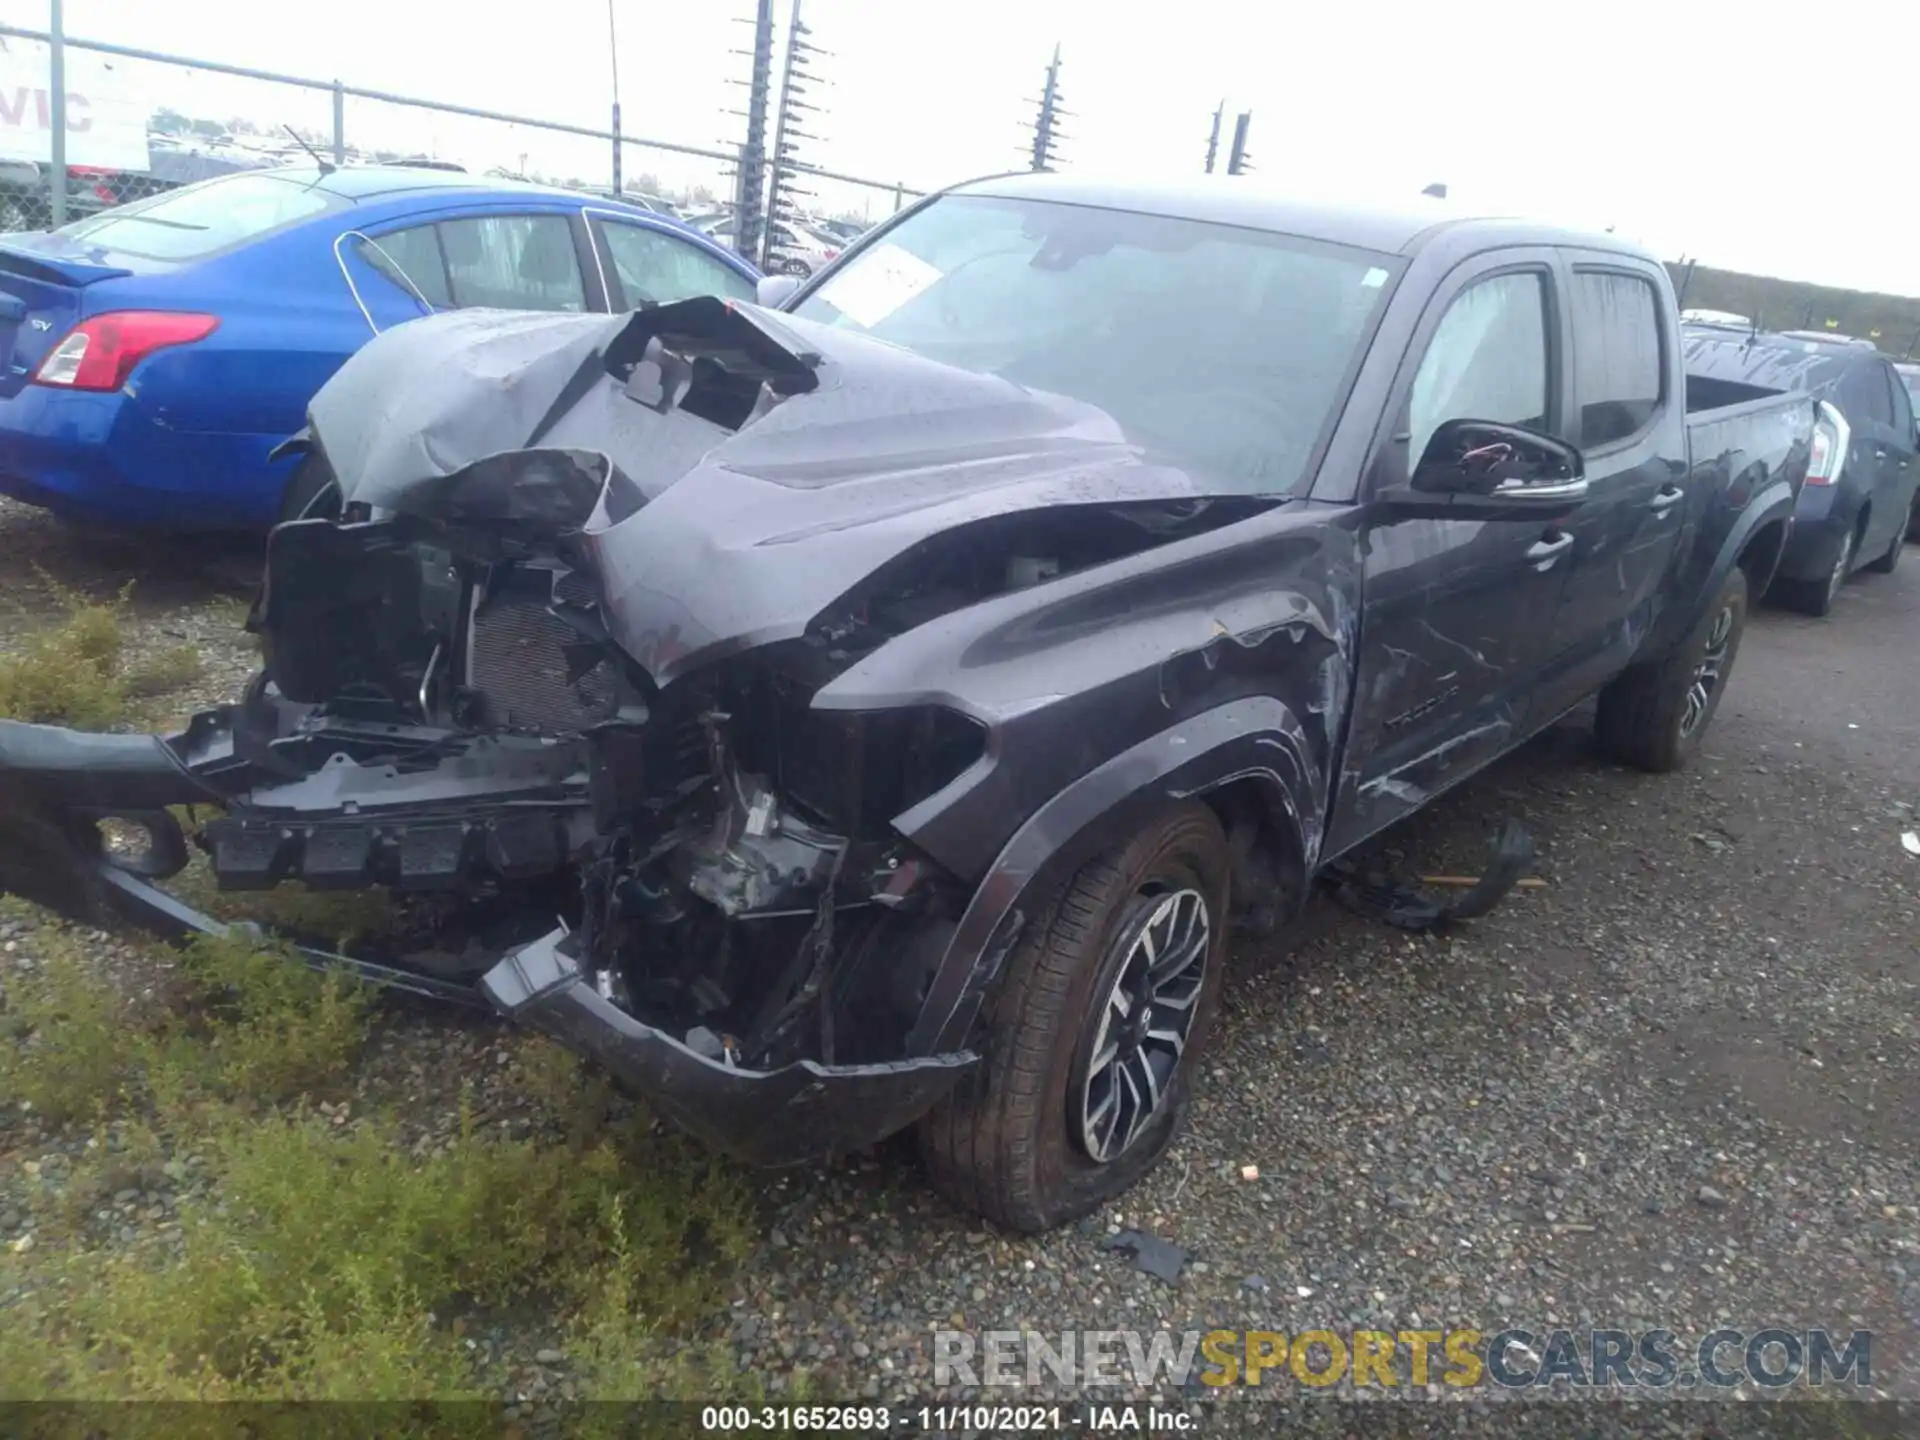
pixel 856 451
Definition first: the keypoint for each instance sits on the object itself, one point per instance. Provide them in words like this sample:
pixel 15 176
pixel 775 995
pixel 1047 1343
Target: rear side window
pixel 1902 403
pixel 513 262
pixel 197 220
pixel 1862 394
pixel 1486 361
pixel 412 260
pixel 1617 370
pixel 1910 382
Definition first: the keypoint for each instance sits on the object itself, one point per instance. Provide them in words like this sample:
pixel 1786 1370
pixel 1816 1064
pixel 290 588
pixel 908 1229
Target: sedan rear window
pixel 197 220
pixel 1223 348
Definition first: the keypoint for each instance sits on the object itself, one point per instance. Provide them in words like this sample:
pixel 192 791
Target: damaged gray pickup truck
pixel 879 711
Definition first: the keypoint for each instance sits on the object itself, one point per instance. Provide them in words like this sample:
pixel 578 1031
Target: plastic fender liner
pixel 800 1112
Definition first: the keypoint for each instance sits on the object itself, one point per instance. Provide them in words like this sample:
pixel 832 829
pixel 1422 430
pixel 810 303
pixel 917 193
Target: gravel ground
pixel 1676 1087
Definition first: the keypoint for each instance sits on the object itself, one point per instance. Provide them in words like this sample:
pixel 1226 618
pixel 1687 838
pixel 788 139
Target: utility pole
pixel 750 173
pixel 787 134
pixel 57 115
pixel 613 57
pixel 1045 126
pixel 1238 161
pixel 1213 136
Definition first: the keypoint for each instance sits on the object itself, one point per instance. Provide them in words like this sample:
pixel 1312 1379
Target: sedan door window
pixel 654 267
pixel 1863 395
pixel 1902 403
pixel 514 262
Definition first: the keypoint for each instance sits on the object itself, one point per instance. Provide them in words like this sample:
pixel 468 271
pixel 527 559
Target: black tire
pixel 1645 718
pixel 51 864
pixel 1817 597
pixel 1913 521
pixel 1007 1144
pixel 1889 562
pixel 310 477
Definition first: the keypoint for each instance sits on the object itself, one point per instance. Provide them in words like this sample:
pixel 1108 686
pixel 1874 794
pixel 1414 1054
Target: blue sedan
pixel 152 356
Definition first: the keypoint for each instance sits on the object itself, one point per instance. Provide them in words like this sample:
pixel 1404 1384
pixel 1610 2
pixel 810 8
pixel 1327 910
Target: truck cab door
pixel 1456 613
pixel 1628 418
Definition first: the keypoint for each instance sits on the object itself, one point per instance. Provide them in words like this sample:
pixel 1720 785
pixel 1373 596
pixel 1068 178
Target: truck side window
pixel 1486 361
pixel 1616 355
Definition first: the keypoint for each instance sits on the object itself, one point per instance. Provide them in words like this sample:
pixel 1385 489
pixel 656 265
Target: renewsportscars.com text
pixel 1769 1358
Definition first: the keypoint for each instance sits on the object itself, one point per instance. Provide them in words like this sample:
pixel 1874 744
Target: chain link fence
pixel 140 122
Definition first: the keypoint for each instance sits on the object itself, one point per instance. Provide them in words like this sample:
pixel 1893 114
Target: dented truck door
pixel 1628 392
pixel 1457 620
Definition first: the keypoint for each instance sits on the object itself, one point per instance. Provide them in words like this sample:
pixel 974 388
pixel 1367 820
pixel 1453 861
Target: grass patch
pixel 330 1264
pixel 69 673
pixel 308 1257
pixel 171 669
pixel 257 1028
pixel 66 1051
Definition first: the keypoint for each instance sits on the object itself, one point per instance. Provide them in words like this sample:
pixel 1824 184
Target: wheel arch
pixel 1248 760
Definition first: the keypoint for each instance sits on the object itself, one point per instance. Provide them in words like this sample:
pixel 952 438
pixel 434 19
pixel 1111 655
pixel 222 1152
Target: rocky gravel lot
pixel 1676 1087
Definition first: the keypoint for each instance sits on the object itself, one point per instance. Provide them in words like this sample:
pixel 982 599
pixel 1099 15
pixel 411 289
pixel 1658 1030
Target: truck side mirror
pixel 1479 457
pixel 1478 469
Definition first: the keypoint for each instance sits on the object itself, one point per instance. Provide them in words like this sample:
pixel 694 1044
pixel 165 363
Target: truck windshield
pixel 1223 348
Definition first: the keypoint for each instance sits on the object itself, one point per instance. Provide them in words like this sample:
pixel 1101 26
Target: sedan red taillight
pixel 1831 436
pixel 100 353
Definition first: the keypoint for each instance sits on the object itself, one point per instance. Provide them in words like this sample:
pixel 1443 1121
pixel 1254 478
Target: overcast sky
pixel 1782 142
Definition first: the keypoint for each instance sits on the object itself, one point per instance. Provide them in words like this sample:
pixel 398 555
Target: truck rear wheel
pixel 1093 1033
pixel 1654 715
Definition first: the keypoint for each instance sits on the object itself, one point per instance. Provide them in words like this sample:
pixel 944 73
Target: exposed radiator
pixel 518 668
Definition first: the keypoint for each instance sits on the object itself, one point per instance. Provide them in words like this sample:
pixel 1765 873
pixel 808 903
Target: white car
pixel 796 250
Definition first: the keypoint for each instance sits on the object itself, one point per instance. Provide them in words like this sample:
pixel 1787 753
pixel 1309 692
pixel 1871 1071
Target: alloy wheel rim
pixel 1708 673
pixel 1145 1023
pixel 1841 566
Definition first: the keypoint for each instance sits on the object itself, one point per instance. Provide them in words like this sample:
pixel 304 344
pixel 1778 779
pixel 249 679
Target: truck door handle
pixel 1544 551
pixel 1879 454
pixel 1668 497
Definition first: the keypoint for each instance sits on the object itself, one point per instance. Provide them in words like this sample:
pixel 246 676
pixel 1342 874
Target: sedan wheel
pixel 1842 568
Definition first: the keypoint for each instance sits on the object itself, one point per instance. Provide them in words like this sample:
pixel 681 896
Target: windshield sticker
pixel 1374 278
pixel 877 284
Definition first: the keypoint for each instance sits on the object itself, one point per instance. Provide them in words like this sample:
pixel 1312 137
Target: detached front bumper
pixel 56 785
pixel 801 1112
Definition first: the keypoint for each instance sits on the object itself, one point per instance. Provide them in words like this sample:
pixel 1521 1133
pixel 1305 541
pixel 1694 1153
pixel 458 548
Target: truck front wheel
pixel 1654 715
pixel 1093 1033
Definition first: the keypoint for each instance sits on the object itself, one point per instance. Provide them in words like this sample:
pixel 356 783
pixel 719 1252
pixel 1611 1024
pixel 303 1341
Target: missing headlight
pixel 857 770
